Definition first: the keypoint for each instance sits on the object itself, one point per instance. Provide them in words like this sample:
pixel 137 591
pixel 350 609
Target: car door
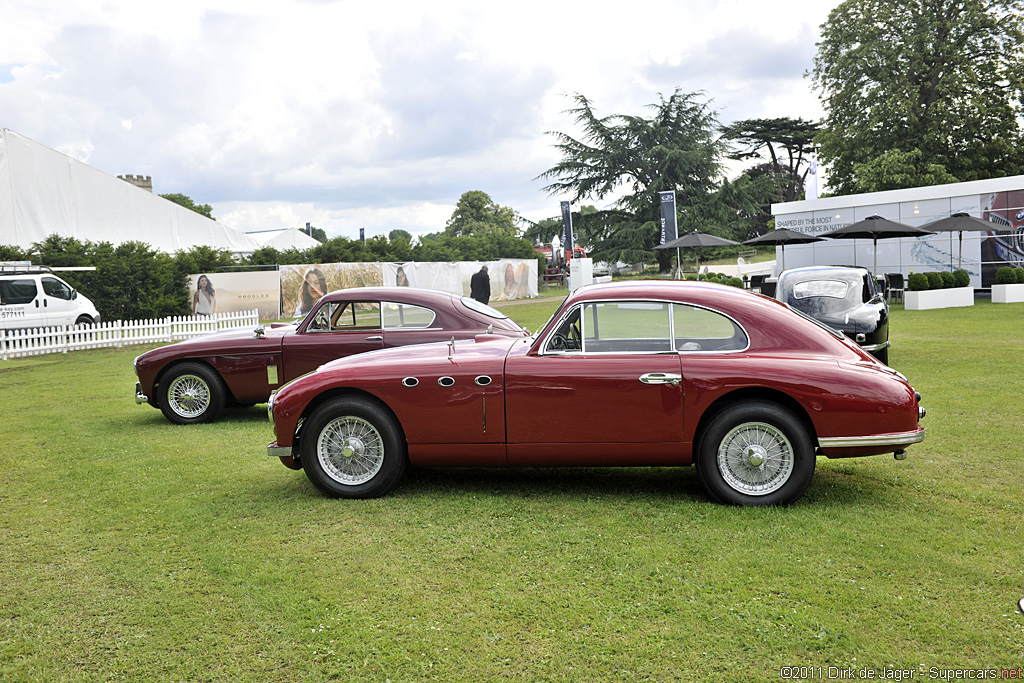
pixel 603 388
pixel 337 329
pixel 59 307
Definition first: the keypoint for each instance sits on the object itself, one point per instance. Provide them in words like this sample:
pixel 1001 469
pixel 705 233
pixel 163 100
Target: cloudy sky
pixel 375 114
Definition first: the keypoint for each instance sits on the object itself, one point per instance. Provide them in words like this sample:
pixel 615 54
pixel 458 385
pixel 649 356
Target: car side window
pixel 700 329
pixel 355 315
pixel 57 289
pixel 406 316
pixel 626 327
pixel 18 291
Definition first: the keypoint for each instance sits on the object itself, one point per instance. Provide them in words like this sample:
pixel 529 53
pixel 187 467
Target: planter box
pixel 939 298
pixel 1007 294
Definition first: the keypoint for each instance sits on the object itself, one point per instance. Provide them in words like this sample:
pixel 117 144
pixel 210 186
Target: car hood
pixel 228 342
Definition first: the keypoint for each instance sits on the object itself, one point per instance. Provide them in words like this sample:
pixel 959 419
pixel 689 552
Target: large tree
pixel 783 145
pixel 477 214
pixel 632 158
pixel 920 92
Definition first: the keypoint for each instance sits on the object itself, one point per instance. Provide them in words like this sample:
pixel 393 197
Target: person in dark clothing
pixel 480 286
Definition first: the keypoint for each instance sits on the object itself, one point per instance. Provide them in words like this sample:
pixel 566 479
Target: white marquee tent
pixel 44 192
pixel 284 239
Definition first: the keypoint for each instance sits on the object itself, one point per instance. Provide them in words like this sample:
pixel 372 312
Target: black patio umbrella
pixel 695 239
pixel 960 222
pixel 782 237
pixel 876 228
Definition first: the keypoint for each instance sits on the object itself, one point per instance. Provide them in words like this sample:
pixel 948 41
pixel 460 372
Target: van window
pixel 56 288
pixel 17 291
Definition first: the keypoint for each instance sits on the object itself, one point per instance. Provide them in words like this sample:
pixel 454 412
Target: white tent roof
pixel 284 239
pixel 44 192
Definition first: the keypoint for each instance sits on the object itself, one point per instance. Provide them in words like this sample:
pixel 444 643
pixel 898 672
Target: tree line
pixel 133 281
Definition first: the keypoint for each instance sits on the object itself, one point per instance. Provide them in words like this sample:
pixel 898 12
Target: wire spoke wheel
pixel 755 458
pixel 188 396
pixel 350 450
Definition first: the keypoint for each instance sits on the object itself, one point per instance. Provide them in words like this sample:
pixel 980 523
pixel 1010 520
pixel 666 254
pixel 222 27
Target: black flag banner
pixel 669 230
pixel 567 236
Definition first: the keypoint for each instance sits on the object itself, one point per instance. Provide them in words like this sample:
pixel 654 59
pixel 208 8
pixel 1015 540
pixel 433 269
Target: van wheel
pixel 84 320
pixel 190 393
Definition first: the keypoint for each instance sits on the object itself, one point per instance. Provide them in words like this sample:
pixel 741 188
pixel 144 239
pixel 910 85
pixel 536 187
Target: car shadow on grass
pixel 667 483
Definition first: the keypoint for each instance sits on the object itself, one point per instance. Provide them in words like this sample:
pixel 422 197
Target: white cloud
pixel 375 115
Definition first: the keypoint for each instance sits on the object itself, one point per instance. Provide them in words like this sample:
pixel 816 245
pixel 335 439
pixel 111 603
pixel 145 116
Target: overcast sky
pixel 375 114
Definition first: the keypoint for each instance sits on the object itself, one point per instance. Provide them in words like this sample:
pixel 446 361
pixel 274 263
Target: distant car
pixel 624 374
pixel 32 296
pixel 191 381
pixel 846 298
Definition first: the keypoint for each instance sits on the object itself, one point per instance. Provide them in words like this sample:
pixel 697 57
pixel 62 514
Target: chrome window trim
pixel 545 351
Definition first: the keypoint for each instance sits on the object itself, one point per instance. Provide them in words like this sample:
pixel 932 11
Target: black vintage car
pixel 846 298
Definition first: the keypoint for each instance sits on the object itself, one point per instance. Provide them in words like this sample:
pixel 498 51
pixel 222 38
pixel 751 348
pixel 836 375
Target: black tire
pixel 352 447
pixel 84 320
pixel 883 355
pixel 755 453
pixel 190 393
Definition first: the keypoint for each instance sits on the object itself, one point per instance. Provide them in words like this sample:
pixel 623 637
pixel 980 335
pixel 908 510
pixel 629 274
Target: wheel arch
pixel 339 392
pixel 198 361
pixel 754 394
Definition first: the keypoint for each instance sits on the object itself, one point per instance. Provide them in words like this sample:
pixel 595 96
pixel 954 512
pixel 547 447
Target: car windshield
pixel 475 305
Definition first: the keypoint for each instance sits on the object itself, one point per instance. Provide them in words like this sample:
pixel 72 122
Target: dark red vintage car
pixel 626 374
pixel 192 380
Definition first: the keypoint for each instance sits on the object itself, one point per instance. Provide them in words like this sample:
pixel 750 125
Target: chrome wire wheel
pixel 755 458
pixel 350 450
pixel 188 396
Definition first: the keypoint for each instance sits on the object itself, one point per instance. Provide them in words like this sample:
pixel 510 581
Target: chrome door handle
pixel 661 378
pixel 375 337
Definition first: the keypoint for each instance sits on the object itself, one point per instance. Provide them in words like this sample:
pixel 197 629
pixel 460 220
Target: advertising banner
pixel 669 229
pixel 568 240
pixel 236 292
pixel 302 286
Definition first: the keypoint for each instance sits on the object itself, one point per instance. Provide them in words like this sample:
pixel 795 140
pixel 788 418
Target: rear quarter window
pixel 18 291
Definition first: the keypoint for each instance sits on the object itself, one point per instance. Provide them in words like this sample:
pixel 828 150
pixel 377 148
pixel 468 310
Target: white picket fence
pixel 33 342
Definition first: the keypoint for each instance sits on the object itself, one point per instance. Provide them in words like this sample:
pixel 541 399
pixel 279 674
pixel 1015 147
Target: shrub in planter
pixel 948 281
pixel 733 282
pixel 917 282
pixel 934 280
pixel 962 278
pixel 1006 276
pixel 1019 273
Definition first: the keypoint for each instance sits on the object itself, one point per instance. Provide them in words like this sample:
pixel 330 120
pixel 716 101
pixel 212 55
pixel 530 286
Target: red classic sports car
pixel 192 380
pixel 625 374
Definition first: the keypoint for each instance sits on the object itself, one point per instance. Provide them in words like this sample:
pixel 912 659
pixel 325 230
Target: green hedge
pixel 918 282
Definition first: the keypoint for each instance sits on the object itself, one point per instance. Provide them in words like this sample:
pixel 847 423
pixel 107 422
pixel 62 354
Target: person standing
pixel 480 285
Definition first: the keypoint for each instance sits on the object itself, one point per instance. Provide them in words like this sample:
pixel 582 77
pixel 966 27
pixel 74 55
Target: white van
pixel 35 297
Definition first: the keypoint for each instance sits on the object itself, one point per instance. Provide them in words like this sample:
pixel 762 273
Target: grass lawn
pixel 137 550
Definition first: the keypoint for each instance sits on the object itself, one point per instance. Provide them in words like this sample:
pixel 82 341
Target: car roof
pixel 769 324
pixel 824 270
pixel 411 294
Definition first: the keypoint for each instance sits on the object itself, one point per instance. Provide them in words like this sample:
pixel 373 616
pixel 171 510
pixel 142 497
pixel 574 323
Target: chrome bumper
pixel 871 348
pixel 894 440
pixel 140 397
pixel 275 451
